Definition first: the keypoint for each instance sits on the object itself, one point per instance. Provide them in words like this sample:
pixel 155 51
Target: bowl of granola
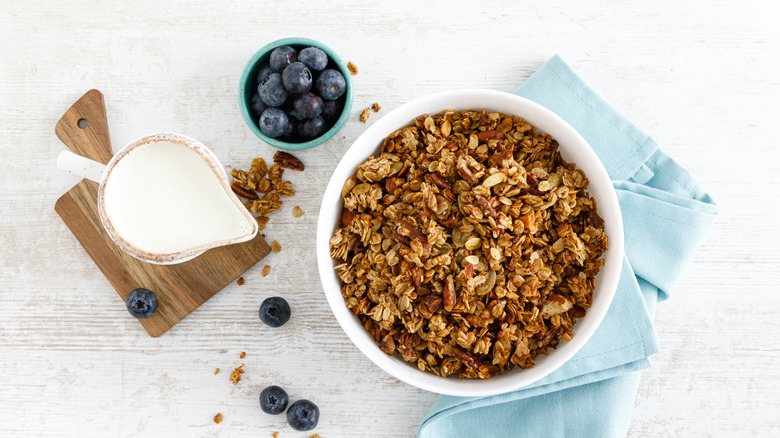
pixel 470 242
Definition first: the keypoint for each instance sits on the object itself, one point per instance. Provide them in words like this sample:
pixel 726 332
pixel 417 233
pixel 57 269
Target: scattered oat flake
pixel 216 371
pixel 364 115
pixel 242 355
pixel 352 68
pixel 235 376
pixel 276 246
pixel 376 107
pixel 265 271
pixel 218 418
pixel 297 212
pixel 240 281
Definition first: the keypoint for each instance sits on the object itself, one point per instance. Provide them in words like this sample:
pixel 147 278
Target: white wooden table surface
pixel 700 76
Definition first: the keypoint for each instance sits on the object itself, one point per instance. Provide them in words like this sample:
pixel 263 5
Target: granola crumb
pixel 376 107
pixel 218 418
pixel 297 212
pixel 316 435
pixel 241 281
pixel 276 246
pixel 235 376
pixel 352 68
pixel 242 355
pixel 364 115
pixel 275 434
pixel 216 371
pixel 266 270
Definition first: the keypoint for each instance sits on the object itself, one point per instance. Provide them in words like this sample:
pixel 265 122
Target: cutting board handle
pixel 84 128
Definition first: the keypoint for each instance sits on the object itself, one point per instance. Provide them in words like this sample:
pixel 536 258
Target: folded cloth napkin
pixel 665 216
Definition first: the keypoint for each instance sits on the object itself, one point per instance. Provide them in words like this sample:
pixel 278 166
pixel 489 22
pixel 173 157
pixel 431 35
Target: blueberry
pixel 281 57
pixel 274 311
pixel 308 105
pixel 303 415
pixel 311 128
pixel 331 84
pixel 331 109
pixel 258 106
pixel 141 303
pixel 272 91
pixel 273 400
pixel 273 122
pixel 296 78
pixel 263 72
pixel 291 133
pixel 314 58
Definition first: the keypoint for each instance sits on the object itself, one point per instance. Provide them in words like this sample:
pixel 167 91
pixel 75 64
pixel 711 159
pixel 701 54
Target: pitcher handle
pixel 80 166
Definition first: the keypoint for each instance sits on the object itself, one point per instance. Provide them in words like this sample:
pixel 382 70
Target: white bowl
pixel 573 148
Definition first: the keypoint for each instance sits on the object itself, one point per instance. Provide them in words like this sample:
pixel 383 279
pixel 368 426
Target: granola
pixel 263 186
pixel 376 107
pixel 218 418
pixel 468 246
pixel 235 376
pixel 364 115
pixel 353 70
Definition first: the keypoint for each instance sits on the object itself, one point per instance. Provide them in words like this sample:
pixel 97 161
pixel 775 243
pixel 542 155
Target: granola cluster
pixel 263 187
pixel 468 245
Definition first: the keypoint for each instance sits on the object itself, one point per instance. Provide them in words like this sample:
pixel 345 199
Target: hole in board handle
pixel 82 123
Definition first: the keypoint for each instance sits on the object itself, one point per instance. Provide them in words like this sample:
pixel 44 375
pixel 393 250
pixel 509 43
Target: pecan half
pixel 467 358
pixel 439 181
pixel 486 207
pixel 241 191
pixel 488 135
pixel 288 160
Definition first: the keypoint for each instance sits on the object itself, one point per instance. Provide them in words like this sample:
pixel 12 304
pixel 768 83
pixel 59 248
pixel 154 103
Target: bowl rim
pixel 249 73
pixel 369 142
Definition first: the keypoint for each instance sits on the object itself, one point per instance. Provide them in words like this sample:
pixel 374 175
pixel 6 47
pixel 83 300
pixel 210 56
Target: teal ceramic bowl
pixel 248 86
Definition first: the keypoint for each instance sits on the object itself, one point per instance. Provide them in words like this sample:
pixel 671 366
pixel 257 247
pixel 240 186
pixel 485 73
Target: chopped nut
pixel 266 270
pixel 352 68
pixel 288 160
pixel 242 355
pixel 376 107
pixel 218 418
pixel 240 281
pixel 364 115
pixel 297 212
pixel 275 246
pixel 216 371
pixel 235 376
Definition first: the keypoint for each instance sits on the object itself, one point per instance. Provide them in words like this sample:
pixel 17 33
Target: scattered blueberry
pixel 273 122
pixel 272 91
pixel 274 312
pixel 314 58
pixel 331 84
pixel 281 57
pixel 311 128
pixel 308 105
pixel 258 106
pixel 141 303
pixel 303 415
pixel 273 400
pixel 296 78
pixel 263 72
pixel 331 110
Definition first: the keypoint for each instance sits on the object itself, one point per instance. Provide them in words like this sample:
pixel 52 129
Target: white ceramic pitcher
pixel 165 199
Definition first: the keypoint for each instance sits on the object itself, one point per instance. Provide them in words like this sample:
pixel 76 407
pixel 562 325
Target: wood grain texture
pixel 180 288
pixel 84 128
pixel 700 76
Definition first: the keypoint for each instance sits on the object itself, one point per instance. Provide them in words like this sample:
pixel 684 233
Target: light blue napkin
pixel 666 215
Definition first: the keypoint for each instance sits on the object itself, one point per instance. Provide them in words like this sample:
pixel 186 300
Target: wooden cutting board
pixel 180 288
